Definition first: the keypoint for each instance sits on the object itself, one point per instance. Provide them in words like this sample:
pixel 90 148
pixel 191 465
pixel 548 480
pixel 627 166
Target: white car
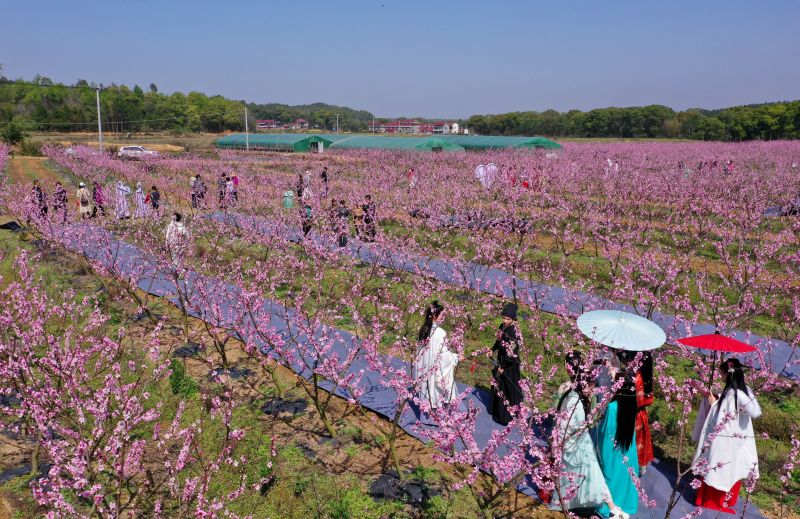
pixel 135 152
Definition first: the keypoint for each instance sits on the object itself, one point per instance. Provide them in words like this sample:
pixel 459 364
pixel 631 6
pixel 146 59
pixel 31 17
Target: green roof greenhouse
pixel 320 142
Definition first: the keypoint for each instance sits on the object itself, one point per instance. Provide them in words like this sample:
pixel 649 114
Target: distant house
pixel 268 124
pixel 413 127
pixel 271 124
pixel 298 124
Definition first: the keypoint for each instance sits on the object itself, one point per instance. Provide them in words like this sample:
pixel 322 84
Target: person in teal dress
pixel 582 485
pixel 616 447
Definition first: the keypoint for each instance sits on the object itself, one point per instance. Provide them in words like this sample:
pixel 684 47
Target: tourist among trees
pixel 176 238
pixel 582 484
pixel 726 448
pixel 39 198
pixel 644 399
pixel 60 202
pixel 154 197
pixel 85 207
pixel 141 207
pixel 616 446
pixel 121 209
pixel 434 364
pixel 506 392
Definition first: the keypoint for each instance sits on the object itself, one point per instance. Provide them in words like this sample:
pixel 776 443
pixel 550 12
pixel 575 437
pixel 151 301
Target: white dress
pixel 434 369
pixel 734 447
pixel 141 208
pixel 176 238
pixel 122 200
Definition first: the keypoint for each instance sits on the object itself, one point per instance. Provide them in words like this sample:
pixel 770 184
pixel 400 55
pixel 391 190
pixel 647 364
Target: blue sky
pixel 416 58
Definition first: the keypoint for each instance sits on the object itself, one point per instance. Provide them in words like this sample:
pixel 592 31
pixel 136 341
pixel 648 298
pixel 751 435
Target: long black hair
pixel 646 368
pixel 734 380
pixel 574 362
pixel 433 311
pixel 626 411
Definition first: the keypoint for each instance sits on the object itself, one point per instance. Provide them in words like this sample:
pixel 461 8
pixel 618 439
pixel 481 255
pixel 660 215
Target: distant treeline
pixel 764 121
pixel 41 104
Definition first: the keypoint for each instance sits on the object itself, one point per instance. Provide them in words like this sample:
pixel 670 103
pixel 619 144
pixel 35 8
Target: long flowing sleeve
pixel 749 405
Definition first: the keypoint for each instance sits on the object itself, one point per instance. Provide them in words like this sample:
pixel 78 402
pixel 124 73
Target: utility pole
pixel 99 124
pixel 337 123
pixel 373 124
pixel 246 130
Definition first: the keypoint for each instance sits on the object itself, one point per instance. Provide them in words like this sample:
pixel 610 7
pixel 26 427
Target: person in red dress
pixel 644 399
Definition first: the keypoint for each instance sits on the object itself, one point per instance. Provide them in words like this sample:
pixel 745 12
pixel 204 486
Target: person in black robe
pixel 505 390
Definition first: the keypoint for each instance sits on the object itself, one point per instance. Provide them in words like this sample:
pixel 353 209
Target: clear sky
pixel 430 58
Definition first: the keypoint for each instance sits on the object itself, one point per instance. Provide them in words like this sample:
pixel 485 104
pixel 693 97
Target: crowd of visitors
pixel 340 213
pixel 602 459
pixel 90 203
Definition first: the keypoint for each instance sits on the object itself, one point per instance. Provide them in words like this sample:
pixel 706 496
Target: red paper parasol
pixel 717 342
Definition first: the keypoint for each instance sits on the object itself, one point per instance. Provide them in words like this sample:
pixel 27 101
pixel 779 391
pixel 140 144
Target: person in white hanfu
pixel 176 238
pixel 434 364
pixel 141 207
pixel 122 200
pixel 726 450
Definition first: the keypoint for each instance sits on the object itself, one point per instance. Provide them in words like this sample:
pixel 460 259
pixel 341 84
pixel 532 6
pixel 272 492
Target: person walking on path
pixel 616 447
pixel 358 221
pixel 193 190
pixel 235 190
pixel 726 449
pixel 154 197
pixel 644 399
pixel 306 217
pixel 324 177
pixel 580 472
pixel 39 198
pixel 200 190
pixel 411 176
pixel 230 189
pixel 99 200
pixel 434 364
pixel 300 187
pixel 176 239
pixel 342 223
pixel 506 392
pixel 60 202
pixel 121 208
pixel 85 207
pixel 221 181
pixel 369 221
pixel 141 207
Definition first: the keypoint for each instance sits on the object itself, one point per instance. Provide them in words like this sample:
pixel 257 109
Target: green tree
pixel 11 134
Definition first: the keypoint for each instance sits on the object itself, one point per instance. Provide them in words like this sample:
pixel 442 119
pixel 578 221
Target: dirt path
pixel 26 169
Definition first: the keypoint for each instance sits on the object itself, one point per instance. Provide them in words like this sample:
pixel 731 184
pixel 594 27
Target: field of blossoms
pixel 123 401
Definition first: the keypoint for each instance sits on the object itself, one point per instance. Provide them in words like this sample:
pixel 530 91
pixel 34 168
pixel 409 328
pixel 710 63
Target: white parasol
pixel 621 330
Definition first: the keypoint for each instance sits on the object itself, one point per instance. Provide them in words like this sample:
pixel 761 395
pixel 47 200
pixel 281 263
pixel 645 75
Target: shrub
pixel 426 474
pixel 30 148
pixel 11 134
pixel 436 508
pixel 181 383
pixel 353 503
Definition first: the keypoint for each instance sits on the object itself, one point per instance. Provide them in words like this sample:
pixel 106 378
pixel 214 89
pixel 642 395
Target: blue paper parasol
pixel 621 330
